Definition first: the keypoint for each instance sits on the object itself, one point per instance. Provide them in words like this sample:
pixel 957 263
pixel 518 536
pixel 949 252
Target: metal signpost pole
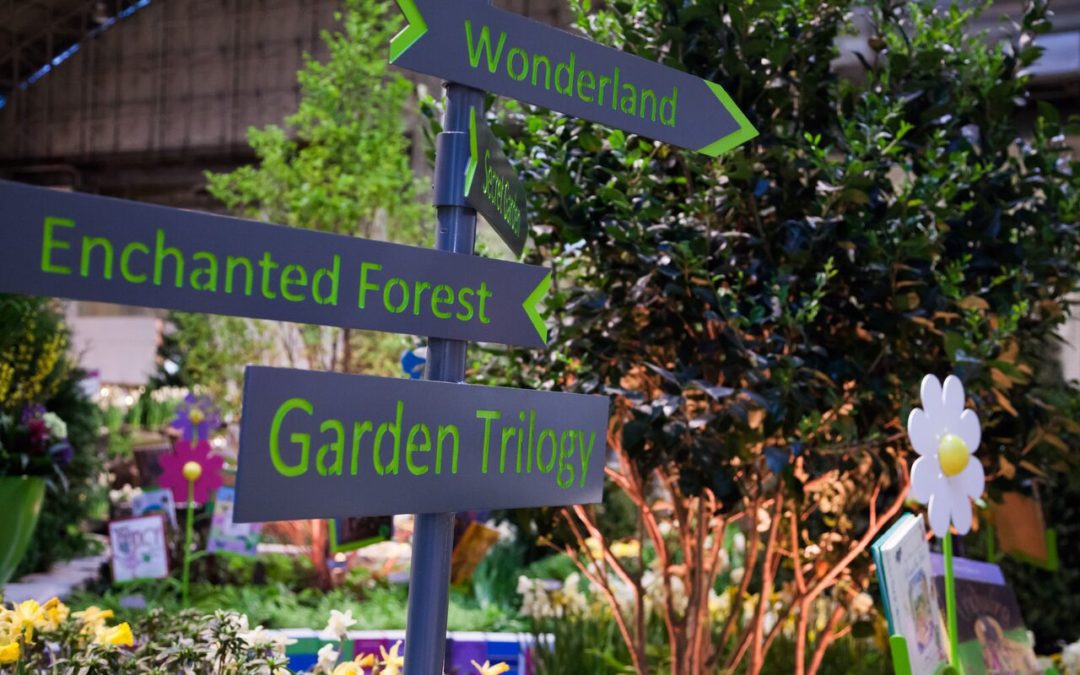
pixel 433 533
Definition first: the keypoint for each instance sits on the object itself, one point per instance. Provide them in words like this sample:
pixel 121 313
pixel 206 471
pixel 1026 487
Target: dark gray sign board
pixel 331 445
pixel 85 247
pixel 473 43
pixel 492 186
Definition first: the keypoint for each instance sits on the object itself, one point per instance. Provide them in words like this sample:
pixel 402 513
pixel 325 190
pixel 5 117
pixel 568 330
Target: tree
pixel 340 164
pixel 763 320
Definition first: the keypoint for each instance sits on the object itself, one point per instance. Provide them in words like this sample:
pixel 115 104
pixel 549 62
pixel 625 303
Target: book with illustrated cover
pixel 992 638
pixel 902 556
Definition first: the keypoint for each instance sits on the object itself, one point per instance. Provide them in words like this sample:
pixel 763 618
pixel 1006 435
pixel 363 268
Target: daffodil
pixel 119 636
pixel 946 436
pixel 392 662
pixel 339 623
pixel 365 660
pixel 348 668
pixel 630 548
pixel 25 617
pixel 10 653
pixel 488 669
pixel 93 617
pixel 55 613
pixel 327 656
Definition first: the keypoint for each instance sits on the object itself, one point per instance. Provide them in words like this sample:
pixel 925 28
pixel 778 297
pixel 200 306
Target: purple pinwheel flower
pixel 196 418
pixel 172 471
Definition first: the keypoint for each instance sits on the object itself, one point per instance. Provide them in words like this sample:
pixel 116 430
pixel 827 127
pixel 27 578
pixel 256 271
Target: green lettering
pixel 586 83
pixel 603 84
pixel 487 416
pixel 303 439
pixel 483 294
pixel 125 262
pixel 210 272
pixel 88 246
pixel 484 43
pixel 546 468
pixel 48 243
pixel 161 251
pixel 648 96
pixel 585 453
pixel 359 429
pixel 287 282
pixel 267 265
pixel 667 108
pixel 364 285
pixel 418 289
pixel 541 60
pixel 441 295
pixel 566 451
pixel 568 71
pixel 231 264
pixel 337 447
pixel 524 64
pixel 411 446
pixel 446 431
pixel 394 429
pixel 468 315
pixel 396 309
pixel 629 96
pixel 333 274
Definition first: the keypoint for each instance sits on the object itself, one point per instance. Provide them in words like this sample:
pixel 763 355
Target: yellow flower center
pixel 192 471
pixel 196 416
pixel 953 454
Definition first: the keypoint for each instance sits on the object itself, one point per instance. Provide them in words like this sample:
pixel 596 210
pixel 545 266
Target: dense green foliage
pixel 787 299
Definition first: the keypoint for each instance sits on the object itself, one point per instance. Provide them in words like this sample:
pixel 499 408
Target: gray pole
pixel 433 534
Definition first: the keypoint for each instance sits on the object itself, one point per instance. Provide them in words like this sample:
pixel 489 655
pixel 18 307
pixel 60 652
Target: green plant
pixel 763 320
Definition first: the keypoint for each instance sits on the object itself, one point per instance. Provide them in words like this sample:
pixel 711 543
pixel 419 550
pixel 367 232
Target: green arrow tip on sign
pixel 415 28
pixel 474 153
pixel 745 132
pixel 531 309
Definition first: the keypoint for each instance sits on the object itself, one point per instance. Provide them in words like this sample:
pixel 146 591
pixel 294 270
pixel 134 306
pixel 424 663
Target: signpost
pixel 331 445
pixel 476 44
pixel 492 186
pixel 94 248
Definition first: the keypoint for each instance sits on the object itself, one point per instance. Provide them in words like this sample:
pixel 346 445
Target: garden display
pixel 667 411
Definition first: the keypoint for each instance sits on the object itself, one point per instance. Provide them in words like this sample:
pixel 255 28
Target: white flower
pixel 328 656
pixel 339 623
pixel 280 643
pixel 1070 658
pixel 56 426
pixel 945 436
pixel 255 637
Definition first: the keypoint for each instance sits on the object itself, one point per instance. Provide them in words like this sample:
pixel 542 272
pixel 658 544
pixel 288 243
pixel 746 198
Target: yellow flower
pixel 348 668
pixel 630 548
pixel 25 617
pixel 488 669
pixel 93 616
pixel 392 662
pixel 116 635
pixel 9 653
pixel 365 660
pixel 56 613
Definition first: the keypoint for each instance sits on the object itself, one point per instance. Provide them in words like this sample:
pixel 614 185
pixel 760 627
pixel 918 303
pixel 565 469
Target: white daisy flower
pixel 946 436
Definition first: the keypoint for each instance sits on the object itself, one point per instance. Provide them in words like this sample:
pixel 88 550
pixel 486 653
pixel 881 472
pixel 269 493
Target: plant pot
pixel 20 501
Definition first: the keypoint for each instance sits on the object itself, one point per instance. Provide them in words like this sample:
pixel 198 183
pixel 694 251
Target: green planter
pixel 20 502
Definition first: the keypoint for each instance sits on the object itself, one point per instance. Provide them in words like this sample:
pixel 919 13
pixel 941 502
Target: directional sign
pixel 473 43
pixel 95 248
pixel 330 445
pixel 492 186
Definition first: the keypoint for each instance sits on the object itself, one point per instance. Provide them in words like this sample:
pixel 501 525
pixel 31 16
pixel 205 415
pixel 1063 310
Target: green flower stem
pixel 189 532
pixel 950 603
